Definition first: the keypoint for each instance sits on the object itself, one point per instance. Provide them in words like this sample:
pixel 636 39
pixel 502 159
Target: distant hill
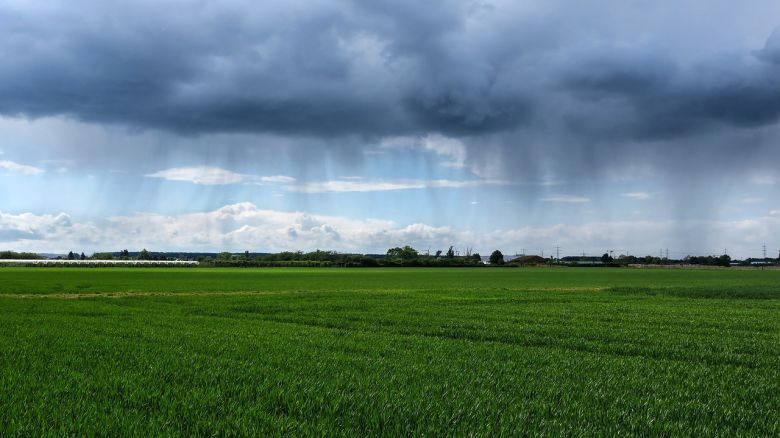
pixel 48 255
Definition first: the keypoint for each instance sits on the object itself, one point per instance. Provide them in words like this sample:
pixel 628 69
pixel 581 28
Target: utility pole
pixel 667 253
pixel 763 248
pixel 557 253
pixel 522 251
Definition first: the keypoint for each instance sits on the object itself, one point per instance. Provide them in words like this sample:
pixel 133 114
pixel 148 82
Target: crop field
pixel 177 351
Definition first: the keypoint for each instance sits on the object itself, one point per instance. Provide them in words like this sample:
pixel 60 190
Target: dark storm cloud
pixel 655 98
pixel 311 68
pixel 771 50
pixel 578 82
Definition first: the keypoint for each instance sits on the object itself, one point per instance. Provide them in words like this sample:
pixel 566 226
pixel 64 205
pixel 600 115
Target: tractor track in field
pixel 74 296
pixel 130 294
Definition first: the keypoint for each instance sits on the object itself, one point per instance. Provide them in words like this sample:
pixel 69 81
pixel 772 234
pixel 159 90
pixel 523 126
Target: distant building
pixel 581 260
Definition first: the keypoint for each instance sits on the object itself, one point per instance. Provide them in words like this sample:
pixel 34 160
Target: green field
pixel 389 351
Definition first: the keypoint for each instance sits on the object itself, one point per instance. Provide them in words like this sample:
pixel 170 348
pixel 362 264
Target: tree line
pixel 12 255
pixel 394 257
pixel 399 256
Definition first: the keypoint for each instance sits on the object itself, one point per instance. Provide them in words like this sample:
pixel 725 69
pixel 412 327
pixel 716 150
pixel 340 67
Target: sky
pixel 626 125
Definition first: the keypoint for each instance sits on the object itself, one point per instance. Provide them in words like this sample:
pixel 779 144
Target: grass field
pixel 389 351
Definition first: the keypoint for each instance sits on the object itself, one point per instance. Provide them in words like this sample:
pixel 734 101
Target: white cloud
pixel 381 186
pixel 751 200
pixel 207 175
pixel 34 227
pixel 451 148
pixel 244 226
pixel 569 199
pixel 232 227
pixel 279 179
pixel 763 179
pixel 639 196
pixel 204 175
pixel 20 168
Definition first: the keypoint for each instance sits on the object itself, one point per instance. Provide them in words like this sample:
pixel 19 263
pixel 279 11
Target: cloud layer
pixel 204 175
pixel 244 226
pixel 207 175
pixel 541 87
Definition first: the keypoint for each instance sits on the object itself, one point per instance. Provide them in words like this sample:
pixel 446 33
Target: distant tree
pixel 626 259
pixel 496 258
pixel 438 253
pixel 450 253
pixel 405 254
pixel 368 261
pixel 71 256
pixel 476 257
pixel 225 256
pixel 19 255
pixel 144 255
pixel 606 258
pixel 83 256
